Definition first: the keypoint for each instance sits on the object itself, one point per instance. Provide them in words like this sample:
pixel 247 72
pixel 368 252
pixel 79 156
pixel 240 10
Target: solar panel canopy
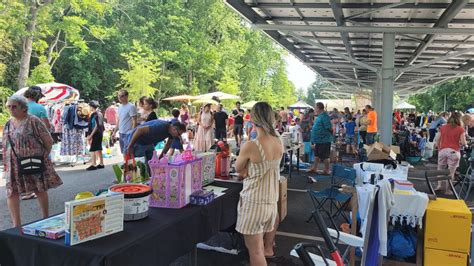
pixel 342 40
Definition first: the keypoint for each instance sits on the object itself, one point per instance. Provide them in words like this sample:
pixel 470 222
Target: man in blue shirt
pixel 143 139
pixel 321 138
pixel 441 120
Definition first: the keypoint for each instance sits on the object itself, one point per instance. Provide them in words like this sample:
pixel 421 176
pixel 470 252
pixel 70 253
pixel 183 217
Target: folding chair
pixel 352 241
pixel 301 250
pixel 337 200
pixel 439 175
pixel 467 180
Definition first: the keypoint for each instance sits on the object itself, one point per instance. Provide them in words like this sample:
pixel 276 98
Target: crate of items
pixel 173 181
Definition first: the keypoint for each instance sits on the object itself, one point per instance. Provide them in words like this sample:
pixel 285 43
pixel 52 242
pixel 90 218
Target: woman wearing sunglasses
pixel 26 139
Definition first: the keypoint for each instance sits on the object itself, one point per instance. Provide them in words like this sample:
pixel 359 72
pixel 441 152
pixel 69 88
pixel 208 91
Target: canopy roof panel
pixel 342 39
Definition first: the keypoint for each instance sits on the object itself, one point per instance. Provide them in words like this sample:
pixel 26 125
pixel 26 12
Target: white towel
pixel 409 208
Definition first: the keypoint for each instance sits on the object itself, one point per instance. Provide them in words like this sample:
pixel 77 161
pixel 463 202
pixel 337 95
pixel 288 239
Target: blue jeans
pixel 370 138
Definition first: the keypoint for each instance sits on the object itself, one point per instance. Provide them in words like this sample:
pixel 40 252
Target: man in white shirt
pixel 127 119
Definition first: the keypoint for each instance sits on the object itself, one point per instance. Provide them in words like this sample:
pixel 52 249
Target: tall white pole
pixel 387 75
pixel 444 105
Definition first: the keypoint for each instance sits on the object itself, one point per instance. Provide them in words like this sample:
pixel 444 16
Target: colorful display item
pixel 93 218
pixel 202 197
pixel 173 182
pixel 51 228
pixel 208 167
pixel 222 166
pixel 136 200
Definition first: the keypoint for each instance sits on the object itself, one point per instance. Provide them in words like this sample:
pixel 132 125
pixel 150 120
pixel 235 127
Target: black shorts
pixel 238 129
pixel 221 133
pixel 96 142
pixel 322 150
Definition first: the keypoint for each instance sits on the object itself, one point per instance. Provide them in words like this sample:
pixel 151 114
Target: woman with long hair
pixel 204 136
pixel 259 164
pixel 449 140
pixel 247 123
pixel 149 106
pixel 184 114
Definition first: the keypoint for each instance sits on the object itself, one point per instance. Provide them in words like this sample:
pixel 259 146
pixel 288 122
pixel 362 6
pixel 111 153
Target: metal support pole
pixel 387 78
pixel 378 106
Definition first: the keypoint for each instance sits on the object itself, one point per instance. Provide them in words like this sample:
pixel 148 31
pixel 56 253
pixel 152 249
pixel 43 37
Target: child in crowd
pixel 350 128
pixel 422 141
pixel 248 125
pixel 177 143
pixel 296 133
pixel 230 128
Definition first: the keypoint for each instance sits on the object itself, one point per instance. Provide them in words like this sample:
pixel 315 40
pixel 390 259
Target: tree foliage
pixel 459 96
pixel 155 48
pixel 315 90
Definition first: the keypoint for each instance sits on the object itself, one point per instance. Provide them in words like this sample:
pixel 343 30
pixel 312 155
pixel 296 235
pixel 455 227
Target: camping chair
pixel 337 200
pixel 467 180
pixel 439 175
pixel 309 259
pixel 352 241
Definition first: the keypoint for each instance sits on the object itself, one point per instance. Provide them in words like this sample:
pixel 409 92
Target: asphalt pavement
pixel 75 179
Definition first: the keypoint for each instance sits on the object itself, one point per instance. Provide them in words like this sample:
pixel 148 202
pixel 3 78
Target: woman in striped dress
pixel 259 164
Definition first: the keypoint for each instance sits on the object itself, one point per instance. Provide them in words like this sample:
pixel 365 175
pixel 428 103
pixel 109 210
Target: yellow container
pixel 435 257
pixel 84 195
pixel 448 225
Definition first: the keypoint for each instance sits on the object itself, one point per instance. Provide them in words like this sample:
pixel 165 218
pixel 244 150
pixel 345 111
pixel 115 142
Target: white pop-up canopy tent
pixel 300 105
pixel 405 106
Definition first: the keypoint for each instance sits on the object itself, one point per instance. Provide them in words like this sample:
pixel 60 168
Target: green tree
pixel 314 91
pixel 143 71
pixel 459 95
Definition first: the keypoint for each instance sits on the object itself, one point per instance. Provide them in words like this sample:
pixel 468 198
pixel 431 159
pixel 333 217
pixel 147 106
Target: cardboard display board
pixel 93 218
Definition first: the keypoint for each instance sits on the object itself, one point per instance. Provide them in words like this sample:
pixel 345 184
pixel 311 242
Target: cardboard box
pixel 380 151
pixel 283 199
pixel 448 225
pixel 436 257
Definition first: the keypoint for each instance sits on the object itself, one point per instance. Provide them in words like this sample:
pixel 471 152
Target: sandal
pixel 29 196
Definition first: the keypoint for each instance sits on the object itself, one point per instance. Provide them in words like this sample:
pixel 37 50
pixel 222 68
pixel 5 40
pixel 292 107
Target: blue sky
pixel 298 73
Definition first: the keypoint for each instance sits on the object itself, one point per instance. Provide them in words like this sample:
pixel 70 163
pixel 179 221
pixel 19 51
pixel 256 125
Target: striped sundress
pixel 257 209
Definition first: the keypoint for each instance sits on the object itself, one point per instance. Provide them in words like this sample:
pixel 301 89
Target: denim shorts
pixel 123 141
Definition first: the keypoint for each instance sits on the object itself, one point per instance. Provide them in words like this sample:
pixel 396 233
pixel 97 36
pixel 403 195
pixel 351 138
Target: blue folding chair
pixel 337 200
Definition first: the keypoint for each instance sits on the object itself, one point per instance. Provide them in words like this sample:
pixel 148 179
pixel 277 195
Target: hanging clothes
pixel 72 141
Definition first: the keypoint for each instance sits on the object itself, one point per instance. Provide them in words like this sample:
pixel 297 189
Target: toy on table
pixel 133 172
pixel 208 167
pixel 202 197
pixel 51 228
pixel 174 181
pixel 223 161
pixel 92 218
pixel 84 195
pixel 136 200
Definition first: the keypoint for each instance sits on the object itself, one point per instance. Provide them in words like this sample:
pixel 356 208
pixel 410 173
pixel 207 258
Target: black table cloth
pixel 157 240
